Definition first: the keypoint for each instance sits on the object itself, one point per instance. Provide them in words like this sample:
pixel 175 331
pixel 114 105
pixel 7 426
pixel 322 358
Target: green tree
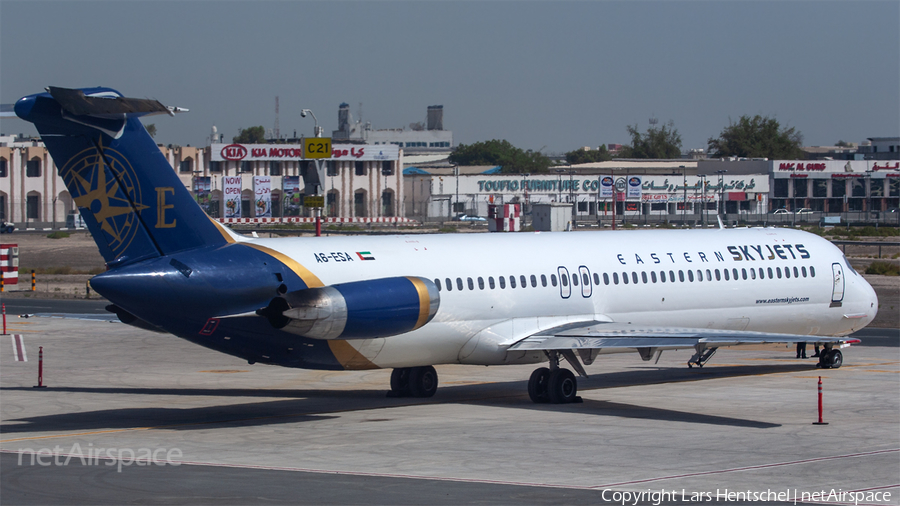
pixel 757 137
pixel 661 143
pixel 151 129
pixel 252 135
pixel 582 156
pixel 843 144
pixel 495 152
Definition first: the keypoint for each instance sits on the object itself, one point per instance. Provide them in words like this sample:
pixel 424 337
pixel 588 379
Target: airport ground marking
pixel 749 468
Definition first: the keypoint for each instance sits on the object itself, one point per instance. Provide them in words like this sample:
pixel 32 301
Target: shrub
pixel 883 268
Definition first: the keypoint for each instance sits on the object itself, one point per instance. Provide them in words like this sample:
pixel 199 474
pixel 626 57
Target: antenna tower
pixel 277 127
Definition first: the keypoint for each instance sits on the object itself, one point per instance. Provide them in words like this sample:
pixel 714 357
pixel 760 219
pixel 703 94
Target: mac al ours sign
pixel 875 168
pixel 288 152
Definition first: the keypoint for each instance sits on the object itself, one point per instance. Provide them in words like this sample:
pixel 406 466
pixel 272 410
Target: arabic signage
pixel 262 187
pixel 287 152
pixel 634 187
pixel 876 169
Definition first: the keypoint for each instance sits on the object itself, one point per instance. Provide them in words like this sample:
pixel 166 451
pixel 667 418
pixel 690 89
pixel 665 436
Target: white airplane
pixel 410 302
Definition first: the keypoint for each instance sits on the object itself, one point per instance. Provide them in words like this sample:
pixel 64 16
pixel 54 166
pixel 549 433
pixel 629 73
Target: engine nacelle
pixel 357 310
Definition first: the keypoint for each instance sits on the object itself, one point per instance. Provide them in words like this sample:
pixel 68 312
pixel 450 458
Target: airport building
pixel 365 183
pixel 662 190
pixel 362 182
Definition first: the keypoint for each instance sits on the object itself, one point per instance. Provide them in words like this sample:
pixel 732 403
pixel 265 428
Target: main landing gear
pixel 413 382
pixel 830 358
pixel 553 384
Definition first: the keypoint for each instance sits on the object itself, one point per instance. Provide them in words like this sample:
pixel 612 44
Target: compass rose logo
pixel 103 185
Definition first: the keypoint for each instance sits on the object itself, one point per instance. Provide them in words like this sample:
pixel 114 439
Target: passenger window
pixel 644 277
pixel 616 278
pixel 662 276
pixel 672 276
pixel 502 282
pixel 596 279
pixel 690 275
pixel 744 274
pixel 727 278
pixel 471 284
pixel 437 282
pixel 752 273
pixel 762 273
pixel 718 275
pixel 574 279
pixel 459 283
pixel 553 279
pixel 634 277
pixel 605 278
pixel 812 271
pixel 522 282
pixel 653 276
pixel 803 271
pixel 585 279
pixel 543 280
pixel 449 285
pixel 512 281
pixel 734 272
pixel 491 282
pixel 787 272
pixel 480 283
pixel 796 273
pixel 769 269
pixel 699 275
pixel 708 275
pixel 533 281
pixel 778 272
pixel 564 279
pixel 625 277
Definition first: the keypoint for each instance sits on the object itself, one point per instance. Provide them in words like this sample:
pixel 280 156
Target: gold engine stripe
pixel 349 357
pixel 308 277
pixel 424 301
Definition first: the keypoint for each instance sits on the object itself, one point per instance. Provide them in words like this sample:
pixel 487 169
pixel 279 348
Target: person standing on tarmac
pixel 801 350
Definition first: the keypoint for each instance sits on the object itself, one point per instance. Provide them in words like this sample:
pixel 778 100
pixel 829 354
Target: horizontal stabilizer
pixel 75 102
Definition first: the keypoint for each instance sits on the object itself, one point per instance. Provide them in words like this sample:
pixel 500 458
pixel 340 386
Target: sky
pixel 544 75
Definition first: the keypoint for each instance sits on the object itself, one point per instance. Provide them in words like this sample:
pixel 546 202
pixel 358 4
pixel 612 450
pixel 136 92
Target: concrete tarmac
pixel 217 430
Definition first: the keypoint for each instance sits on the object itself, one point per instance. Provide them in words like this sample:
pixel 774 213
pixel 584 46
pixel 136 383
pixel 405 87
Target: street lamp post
pixel 721 203
pixel 702 199
pixel 684 198
pixel 456 173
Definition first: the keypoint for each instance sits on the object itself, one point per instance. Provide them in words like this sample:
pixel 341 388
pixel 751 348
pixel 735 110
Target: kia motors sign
pixel 288 152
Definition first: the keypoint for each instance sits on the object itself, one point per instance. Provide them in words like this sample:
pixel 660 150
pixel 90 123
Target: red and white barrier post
pixel 820 422
pixel 40 368
pixel 4 319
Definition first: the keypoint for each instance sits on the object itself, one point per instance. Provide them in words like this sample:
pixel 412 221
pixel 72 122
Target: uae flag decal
pixel 365 255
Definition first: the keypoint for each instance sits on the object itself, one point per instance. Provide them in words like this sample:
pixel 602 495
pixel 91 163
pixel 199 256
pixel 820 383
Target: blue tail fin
pixel 129 196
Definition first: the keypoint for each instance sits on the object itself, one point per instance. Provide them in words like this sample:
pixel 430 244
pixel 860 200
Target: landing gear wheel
pixel 400 382
pixel 538 385
pixel 834 358
pixel 562 386
pixel 423 381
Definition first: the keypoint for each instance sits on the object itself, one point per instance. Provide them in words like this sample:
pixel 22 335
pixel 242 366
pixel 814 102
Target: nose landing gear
pixel 830 359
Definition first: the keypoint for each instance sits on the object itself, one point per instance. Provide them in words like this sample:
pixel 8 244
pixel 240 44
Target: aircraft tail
pixel 131 199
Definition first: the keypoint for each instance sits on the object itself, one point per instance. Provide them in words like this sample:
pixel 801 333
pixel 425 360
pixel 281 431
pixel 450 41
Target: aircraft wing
pixel 624 336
